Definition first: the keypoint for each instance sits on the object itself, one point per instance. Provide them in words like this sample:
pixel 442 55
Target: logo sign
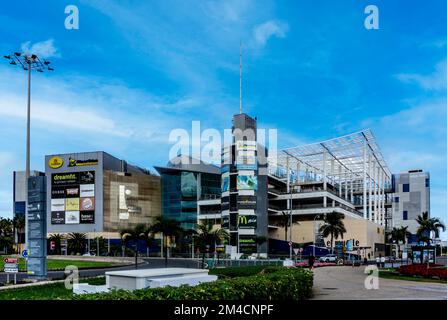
pixel 78 163
pixel 55 162
pixel 11 260
pixel 246 145
pixel 246 221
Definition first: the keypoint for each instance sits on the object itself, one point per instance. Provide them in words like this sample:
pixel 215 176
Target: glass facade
pixel 180 193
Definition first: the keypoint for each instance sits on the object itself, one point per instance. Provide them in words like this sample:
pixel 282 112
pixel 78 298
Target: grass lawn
pixel 55 291
pixel 61 264
pixel 395 276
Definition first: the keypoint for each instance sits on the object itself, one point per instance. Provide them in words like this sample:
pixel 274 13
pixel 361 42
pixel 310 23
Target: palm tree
pixel 19 225
pixel 428 226
pixel 168 228
pixel 333 226
pixel 284 222
pixel 400 234
pixel 209 237
pixel 135 234
pixel 57 240
pixel 6 234
pixel 76 241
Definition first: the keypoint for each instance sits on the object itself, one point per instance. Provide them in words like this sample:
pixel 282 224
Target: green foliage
pixel 52 291
pixel 278 284
pixel 243 271
pixel 333 226
pixel 77 242
pixel 427 226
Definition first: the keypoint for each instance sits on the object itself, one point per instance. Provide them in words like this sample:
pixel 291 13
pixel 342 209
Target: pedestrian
pixel 311 262
pixel 365 261
pixel 378 260
pixel 382 261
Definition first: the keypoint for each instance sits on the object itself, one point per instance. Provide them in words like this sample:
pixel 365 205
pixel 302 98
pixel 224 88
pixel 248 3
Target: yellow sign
pixel 242 220
pixel 55 162
pixel 72 204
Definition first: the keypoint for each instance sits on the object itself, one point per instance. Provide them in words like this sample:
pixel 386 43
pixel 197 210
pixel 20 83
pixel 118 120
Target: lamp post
pixel 315 234
pixel 28 62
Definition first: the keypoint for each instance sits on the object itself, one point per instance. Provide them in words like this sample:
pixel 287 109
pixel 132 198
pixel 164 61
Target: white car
pixel 89 254
pixel 328 258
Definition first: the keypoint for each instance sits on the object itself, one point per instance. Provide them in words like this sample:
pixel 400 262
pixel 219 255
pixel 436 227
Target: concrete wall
pixel 416 201
pixel 366 232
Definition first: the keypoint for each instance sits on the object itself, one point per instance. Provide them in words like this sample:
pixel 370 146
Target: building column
pixel 346 185
pixel 352 187
pixel 370 184
pixel 365 213
pixel 383 197
pixel 324 170
pixel 339 181
pixel 333 171
pixel 375 193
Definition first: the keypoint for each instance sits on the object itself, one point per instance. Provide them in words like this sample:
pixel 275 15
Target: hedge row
pixel 233 272
pixel 283 284
pixel 434 271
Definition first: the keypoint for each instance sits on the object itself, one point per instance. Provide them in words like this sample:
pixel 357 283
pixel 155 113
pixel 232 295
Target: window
pixel 396 199
pixel 427 182
pixel 406 187
pixel 405 215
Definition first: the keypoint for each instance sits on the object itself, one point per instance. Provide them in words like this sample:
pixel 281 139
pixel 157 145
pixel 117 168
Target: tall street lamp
pixel 28 62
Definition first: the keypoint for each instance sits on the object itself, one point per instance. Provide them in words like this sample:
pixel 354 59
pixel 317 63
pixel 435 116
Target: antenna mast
pixel 240 78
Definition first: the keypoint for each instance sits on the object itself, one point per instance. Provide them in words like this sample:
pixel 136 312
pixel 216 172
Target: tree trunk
pixel 136 255
pixel 332 243
pixel 166 252
pixel 203 260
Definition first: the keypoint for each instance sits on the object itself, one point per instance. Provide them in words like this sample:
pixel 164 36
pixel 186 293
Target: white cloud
pixel 263 32
pixel 43 49
pixel 435 81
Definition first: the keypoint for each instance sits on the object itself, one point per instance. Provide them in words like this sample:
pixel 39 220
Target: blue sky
pixel 135 70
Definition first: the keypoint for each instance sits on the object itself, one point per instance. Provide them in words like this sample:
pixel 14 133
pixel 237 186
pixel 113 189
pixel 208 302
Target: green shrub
pixel 279 284
pixel 233 272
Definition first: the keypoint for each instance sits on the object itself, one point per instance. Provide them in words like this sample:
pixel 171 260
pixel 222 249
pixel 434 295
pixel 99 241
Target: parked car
pixel 89 254
pixel 328 258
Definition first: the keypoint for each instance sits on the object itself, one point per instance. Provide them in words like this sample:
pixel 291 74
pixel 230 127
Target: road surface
pixel 347 283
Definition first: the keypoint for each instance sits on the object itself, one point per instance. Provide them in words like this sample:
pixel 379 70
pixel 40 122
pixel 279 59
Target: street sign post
pixel 11 266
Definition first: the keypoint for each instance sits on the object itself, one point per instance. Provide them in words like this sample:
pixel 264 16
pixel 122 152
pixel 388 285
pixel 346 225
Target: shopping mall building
pixel 251 194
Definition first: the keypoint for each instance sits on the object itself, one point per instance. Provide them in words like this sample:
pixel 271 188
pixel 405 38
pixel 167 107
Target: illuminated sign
pixel 55 162
pixel 244 221
pixel 246 145
pixel 71 217
pixel 72 204
pixel 78 163
pixel 73 197
pixel 64 178
pixel 247 182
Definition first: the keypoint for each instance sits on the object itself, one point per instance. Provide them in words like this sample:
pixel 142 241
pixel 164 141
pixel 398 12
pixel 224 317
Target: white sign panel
pixel 71 217
pixel 57 204
pixel 87 190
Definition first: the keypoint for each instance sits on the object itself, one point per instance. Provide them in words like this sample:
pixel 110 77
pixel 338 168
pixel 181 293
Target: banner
pixel 246 222
pixel 225 184
pixel 247 182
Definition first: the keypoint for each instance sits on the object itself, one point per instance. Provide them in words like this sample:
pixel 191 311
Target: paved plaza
pixel 347 283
